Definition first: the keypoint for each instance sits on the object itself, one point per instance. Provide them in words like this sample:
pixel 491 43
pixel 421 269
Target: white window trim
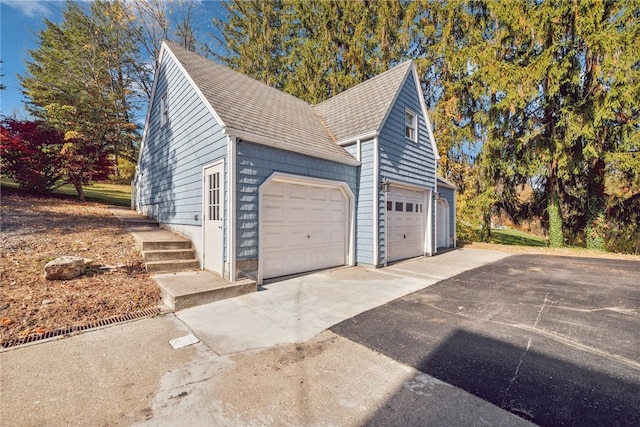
pixel 164 110
pixel 413 127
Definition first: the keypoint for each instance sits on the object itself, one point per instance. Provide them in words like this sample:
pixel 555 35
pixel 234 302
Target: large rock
pixel 63 268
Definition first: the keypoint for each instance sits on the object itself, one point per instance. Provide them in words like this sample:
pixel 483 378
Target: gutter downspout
pixel 455 193
pixel 376 203
pixel 231 232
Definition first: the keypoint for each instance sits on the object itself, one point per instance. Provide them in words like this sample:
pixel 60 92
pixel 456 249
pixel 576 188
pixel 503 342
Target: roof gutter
pixel 347 159
pixel 361 137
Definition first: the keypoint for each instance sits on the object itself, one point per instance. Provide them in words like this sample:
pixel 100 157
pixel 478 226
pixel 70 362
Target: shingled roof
pixel 249 107
pixel 362 109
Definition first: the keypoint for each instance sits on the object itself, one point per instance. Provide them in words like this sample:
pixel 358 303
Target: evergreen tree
pixel 314 49
pixel 78 81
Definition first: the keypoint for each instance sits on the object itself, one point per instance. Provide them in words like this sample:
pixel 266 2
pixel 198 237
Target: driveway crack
pixel 552 335
pixel 517 372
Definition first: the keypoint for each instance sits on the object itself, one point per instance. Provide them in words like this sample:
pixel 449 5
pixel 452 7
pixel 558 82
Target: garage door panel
pixel 296 213
pixel 276 191
pixel 317 215
pixel 405 219
pixel 296 191
pixel 273 213
pixel 318 193
pixel 308 232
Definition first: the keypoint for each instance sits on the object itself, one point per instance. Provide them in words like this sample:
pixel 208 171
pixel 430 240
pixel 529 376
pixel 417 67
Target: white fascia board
pixel 362 137
pixel 393 102
pixel 194 85
pixel 151 99
pixel 425 113
pixel 441 182
pixel 408 186
pixel 308 151
pixel 165 50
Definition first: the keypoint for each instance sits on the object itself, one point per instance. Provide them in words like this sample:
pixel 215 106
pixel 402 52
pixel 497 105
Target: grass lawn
pixel 99 192
pixel 515 237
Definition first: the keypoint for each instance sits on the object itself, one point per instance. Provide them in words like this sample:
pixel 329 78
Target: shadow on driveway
pixel 553 340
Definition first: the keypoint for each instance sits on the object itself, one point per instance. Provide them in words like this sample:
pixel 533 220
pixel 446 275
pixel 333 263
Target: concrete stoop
pixel 172 260
pixel 187 289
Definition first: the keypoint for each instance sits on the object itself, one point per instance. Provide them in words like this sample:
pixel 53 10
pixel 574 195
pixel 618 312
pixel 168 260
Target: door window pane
pixel 213 196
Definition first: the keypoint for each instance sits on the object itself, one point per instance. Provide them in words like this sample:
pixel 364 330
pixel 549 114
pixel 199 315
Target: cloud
pixel 30 8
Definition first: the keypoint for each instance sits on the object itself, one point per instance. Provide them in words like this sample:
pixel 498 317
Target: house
pixel 267 185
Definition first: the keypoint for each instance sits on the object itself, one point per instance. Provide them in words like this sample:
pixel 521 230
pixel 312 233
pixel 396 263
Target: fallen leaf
pixel 6 321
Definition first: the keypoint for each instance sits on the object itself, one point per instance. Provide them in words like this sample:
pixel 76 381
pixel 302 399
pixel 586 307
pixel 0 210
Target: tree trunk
pixel 77 183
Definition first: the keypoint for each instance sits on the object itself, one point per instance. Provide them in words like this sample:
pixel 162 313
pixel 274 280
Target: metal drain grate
pixel 80 328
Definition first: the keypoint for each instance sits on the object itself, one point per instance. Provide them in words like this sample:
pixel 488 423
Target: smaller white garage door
pixel 305 228
pixel 406 217
pixel 443 223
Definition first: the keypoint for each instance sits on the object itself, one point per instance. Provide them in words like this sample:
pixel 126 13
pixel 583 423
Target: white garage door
pixel 406 218
pixel 305 228
pixel 443 223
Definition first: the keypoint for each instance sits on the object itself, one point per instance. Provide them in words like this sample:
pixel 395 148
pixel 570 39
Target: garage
pixel 304 226
pixel 406 223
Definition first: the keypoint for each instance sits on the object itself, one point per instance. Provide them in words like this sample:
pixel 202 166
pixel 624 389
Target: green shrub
pixel 596 233
pixel 556 238
pixel 465 233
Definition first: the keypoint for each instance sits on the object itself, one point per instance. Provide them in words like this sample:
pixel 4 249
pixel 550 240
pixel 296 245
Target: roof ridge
pixel 395 68
pixel 248 106
pixel 172 45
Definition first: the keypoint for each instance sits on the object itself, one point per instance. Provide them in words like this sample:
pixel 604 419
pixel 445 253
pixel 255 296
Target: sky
pixel 21 20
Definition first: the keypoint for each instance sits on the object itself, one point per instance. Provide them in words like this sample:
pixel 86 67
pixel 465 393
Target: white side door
pixel 213 218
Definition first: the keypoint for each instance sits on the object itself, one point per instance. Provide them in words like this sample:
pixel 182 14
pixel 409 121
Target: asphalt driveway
pixel 554 340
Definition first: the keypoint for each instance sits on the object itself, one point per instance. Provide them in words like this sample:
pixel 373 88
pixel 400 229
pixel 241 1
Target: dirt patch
pixel 36 230
pixel 576 252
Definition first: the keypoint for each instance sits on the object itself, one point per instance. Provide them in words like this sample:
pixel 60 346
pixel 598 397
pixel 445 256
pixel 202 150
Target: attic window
pixel 164 110
pixel 410 125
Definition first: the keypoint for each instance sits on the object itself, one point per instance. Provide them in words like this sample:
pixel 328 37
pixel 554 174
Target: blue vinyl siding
pixel 402 159
pixel 255 163
pixel 364 202
pixel 174 155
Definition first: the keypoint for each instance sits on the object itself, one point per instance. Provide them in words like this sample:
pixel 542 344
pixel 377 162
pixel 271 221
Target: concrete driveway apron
pixel 297 309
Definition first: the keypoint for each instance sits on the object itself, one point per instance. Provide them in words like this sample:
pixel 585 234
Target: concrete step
pixel 169 254
pixel 188 289
pixel 163 245
pixel 139 222
pixel 172 266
